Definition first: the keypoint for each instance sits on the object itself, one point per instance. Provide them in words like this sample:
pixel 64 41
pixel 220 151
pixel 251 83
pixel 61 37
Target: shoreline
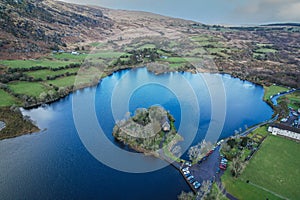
pixel 109 73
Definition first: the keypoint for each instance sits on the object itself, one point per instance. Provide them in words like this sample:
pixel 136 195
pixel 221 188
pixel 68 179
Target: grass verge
pixel 273 172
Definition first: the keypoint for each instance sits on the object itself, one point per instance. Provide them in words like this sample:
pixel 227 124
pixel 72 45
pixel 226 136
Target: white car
pixel 186 172
pixel 185 169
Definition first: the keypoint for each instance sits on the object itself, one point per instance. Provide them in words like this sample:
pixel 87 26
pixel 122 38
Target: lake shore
pixel 16 123
pixel 155 68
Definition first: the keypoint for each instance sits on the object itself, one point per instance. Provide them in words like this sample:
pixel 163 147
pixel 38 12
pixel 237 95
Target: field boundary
pixel 267 190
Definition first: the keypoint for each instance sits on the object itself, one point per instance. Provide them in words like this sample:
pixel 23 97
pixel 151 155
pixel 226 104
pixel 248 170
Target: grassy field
pixel 29 88
pixel 266 50
pixel 96 44
pixel 242 190
pixel 63 82
pixel 261 131
pixel 7 99
pixel 92 56
pixel 30 63
pixel 273 89
pixel 68 56
pixel 145 46
pixel 44 73
pixel 293 99
pixel 273 172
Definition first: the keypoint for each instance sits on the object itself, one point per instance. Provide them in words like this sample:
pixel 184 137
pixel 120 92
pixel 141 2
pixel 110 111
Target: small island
pixel 150 131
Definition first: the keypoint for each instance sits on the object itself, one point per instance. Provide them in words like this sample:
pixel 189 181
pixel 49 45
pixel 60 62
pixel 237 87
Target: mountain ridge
pixel 261 54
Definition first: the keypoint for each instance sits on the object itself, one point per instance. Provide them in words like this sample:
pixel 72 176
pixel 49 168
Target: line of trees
pixel 137 56
pixel 20 76
pixel 36 68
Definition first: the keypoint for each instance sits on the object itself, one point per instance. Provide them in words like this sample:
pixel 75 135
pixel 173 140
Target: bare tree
pixel 237 166
pixel 205 188
pixel 220 192
pixel 225 147
pixel 198 151
pixel 217 193
pixel 194 152
pixel 186 196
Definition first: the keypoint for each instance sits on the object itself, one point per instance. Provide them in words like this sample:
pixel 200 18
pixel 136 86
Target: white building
pixel 286 131
pixel 74 53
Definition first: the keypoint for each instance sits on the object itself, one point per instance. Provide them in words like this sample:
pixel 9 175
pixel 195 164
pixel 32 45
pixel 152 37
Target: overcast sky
pixel 238 12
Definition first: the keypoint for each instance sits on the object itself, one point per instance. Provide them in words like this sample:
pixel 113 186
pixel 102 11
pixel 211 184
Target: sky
pixel 224 12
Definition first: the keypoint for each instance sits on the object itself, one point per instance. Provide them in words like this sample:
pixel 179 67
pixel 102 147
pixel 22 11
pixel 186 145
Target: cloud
pixel 261 11
pixel 214 11
pixel 291 11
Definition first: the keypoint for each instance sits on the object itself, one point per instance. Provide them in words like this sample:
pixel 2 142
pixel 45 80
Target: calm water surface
pixel 54 164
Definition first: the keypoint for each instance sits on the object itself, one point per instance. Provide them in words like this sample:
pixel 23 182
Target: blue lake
pixel 54 163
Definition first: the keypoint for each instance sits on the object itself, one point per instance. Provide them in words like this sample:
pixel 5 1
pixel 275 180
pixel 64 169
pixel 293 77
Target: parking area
pixel 206 169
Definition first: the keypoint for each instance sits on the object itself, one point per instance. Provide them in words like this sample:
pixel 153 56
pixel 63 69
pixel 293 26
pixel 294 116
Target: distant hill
pixel 35 26
pixel 262 54
pixel 283 24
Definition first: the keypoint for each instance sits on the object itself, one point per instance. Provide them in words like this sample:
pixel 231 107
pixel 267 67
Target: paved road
pixel 276 96
pixel 246 132
pixel 206 170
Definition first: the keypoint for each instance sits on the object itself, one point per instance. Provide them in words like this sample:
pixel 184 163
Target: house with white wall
pixel 284 130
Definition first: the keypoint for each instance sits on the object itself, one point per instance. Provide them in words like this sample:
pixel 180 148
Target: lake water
pixel 54 163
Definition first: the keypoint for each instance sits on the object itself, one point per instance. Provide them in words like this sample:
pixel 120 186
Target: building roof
pixel 285 127
pixel 164 120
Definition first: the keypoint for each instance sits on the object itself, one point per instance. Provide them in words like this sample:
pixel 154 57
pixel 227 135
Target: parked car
pixel 197 185
pixel 186 172
pixel 185 169
pixel 188 164
pixel 196 182
pixel 223 162
pixel 190 177
pixel 192 180
pixel 222 167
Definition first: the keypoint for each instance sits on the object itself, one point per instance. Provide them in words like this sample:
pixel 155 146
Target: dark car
pixel 192 180
pixel 190 177
pixel 222 167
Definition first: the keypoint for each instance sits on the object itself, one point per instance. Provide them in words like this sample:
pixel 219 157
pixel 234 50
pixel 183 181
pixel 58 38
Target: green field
pixel 147 46
pixel 63 82
pixel 69 56
pixel 44 73
pixel 7 99
pixel 293 100
pixel 272 90
pixel 261 131
pixel 30 63
pixel 273 172
pixel 28 88
pixel 96 44
pixel 97 55
pixel 266 50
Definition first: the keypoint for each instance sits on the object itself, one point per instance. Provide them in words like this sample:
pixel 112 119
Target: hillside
pixel 263 54
pixel 30 27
